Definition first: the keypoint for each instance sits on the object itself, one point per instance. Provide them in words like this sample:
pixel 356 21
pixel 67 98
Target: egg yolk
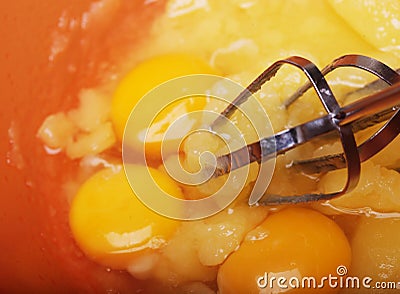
pixel 109 222
pixel 163 120
pixel 295 242
pixel 143 78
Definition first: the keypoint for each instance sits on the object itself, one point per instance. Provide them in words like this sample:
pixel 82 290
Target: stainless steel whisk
pixel 371 110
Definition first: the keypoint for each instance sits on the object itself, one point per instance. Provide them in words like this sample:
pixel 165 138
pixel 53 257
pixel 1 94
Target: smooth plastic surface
pixel 37 251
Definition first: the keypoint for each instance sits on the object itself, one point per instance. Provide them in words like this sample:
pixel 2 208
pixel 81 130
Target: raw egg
pixel 109 222
pixel 292 243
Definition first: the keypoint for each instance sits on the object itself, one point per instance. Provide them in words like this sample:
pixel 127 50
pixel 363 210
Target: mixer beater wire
pixel 344 121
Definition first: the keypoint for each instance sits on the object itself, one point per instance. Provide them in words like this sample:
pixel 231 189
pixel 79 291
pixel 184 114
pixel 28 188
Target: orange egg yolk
pixel 294 242
pixel 145 77
pixel 109 222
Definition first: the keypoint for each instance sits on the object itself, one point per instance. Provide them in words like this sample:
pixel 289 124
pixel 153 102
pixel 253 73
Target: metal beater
pixel 345 121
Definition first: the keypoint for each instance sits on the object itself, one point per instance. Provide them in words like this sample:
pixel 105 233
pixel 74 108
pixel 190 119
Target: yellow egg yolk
pixel 294 242
pixel 155 143
pixel 143 78
pixel 109 222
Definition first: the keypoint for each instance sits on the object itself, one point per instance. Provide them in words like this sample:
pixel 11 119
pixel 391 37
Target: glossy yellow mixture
pixel 229 251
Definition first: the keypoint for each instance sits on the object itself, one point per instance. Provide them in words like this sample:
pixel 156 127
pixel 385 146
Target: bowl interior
pixel 47 56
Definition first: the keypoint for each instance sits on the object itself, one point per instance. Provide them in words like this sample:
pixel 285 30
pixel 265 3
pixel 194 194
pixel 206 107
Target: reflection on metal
pixel 344 121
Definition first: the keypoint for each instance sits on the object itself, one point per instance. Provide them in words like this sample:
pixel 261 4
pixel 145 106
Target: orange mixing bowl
pixel 49 51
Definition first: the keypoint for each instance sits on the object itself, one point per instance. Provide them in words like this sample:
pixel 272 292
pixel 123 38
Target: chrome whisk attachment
pixel 344 121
